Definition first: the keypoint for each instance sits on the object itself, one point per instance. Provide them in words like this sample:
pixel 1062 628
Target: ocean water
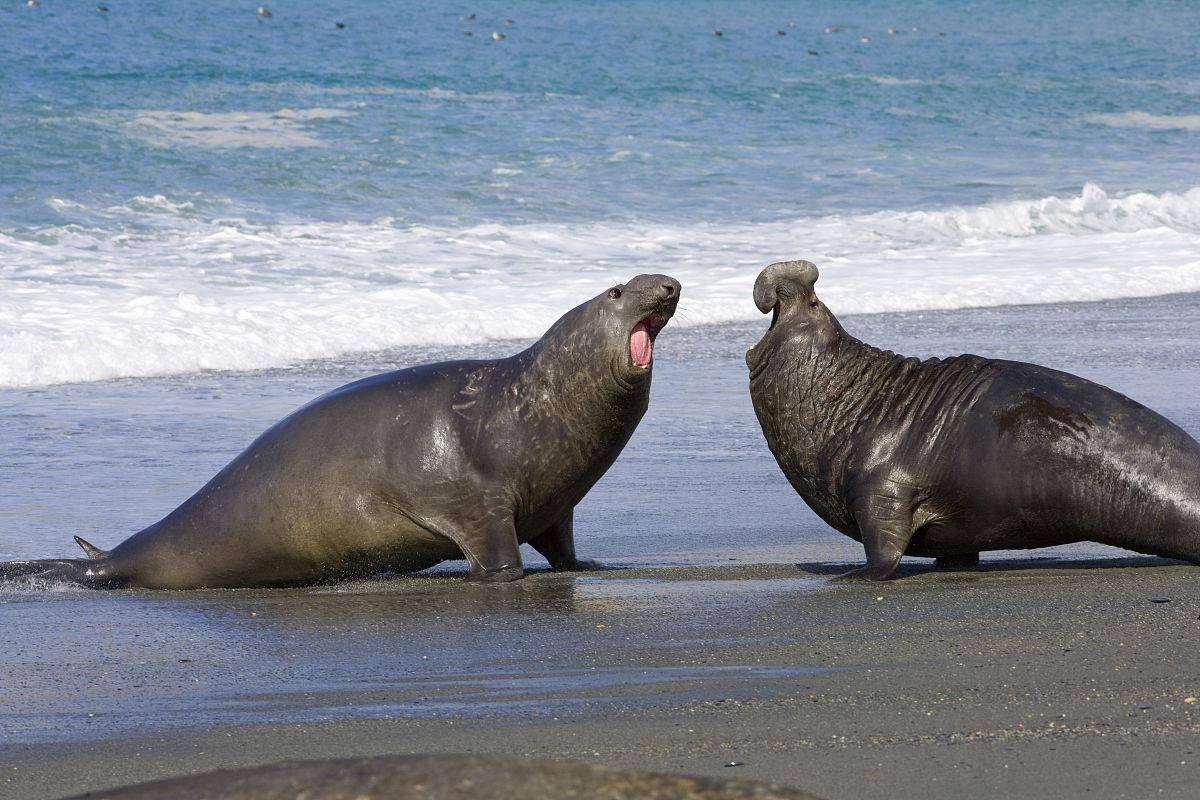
pixel 189 186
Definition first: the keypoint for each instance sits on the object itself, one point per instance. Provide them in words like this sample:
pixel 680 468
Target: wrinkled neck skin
pixel 587 371
pixel 577 402
pixel 811 386
pixel 823 376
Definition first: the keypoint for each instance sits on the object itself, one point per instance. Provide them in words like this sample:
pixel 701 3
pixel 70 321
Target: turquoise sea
pixel 189 186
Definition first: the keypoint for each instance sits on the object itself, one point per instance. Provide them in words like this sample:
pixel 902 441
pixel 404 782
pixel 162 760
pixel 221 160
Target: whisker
pixel 681 317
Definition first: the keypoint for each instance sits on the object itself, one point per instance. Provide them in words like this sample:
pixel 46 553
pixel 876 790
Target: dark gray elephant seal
pixel 946 458
pixel 444 777
pixel 409 468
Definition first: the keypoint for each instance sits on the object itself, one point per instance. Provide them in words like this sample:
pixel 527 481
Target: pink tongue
pixel 640 347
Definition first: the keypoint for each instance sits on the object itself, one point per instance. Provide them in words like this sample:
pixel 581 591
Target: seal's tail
pixel 92 572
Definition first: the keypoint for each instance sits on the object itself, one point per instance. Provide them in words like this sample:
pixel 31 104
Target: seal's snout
pixel 775 290
pixel 781 281
pixel 764 294
pixel 656 293
pixel 668 297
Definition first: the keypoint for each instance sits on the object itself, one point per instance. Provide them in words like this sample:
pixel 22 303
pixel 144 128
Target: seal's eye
pixel 614 293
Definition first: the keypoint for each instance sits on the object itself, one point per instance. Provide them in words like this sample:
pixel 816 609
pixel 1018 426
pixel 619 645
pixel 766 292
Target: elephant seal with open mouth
pixel 400 471
pixel 945 458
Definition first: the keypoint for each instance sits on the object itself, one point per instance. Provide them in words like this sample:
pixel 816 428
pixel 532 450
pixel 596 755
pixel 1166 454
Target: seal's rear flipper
pixel 91 573
pixel 10 570
pixel 92 551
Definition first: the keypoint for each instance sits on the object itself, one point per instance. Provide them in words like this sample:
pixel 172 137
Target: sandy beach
pixel 717 637
pixel 1060 679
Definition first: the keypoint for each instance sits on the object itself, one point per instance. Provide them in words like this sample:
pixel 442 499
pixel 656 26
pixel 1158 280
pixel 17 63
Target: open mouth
pixel 641 339
pixel 774 316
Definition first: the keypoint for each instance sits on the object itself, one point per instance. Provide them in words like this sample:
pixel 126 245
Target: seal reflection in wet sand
pixel 403 470
pixel 445 777
pixel 946 458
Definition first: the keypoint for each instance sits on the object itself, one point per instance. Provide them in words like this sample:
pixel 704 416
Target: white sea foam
pixel 890 80
pixel 155 288
pixel 629 155
pixel 432 93
pixel 896 111
pixel 283 128
pixel 1141 119
pixel 16 589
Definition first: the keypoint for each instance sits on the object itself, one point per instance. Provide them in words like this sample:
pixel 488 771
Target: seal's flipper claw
pixel 867 573
pixel 92 551
pixel 502 575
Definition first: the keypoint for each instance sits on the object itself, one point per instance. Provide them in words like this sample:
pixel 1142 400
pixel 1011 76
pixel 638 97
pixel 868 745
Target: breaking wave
pixel 160 285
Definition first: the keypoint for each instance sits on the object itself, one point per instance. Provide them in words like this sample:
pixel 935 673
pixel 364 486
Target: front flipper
pixel 489 543
pixel 557 545
pixel 884 517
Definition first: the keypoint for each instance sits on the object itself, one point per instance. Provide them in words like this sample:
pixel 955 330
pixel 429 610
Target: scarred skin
pixel 400 471
pixel 946 458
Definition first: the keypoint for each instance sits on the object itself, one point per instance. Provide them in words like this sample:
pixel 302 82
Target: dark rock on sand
pixel 445 777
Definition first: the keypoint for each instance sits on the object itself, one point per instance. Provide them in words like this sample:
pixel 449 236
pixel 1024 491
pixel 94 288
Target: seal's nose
pixel 661 291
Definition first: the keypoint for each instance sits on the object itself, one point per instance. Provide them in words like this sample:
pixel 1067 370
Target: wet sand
pixel 719 639
pixel 1023 679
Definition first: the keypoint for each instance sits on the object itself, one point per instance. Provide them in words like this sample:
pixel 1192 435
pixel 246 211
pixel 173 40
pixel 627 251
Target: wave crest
pixel 284 128
pixel 156 285
pixel 1142 119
